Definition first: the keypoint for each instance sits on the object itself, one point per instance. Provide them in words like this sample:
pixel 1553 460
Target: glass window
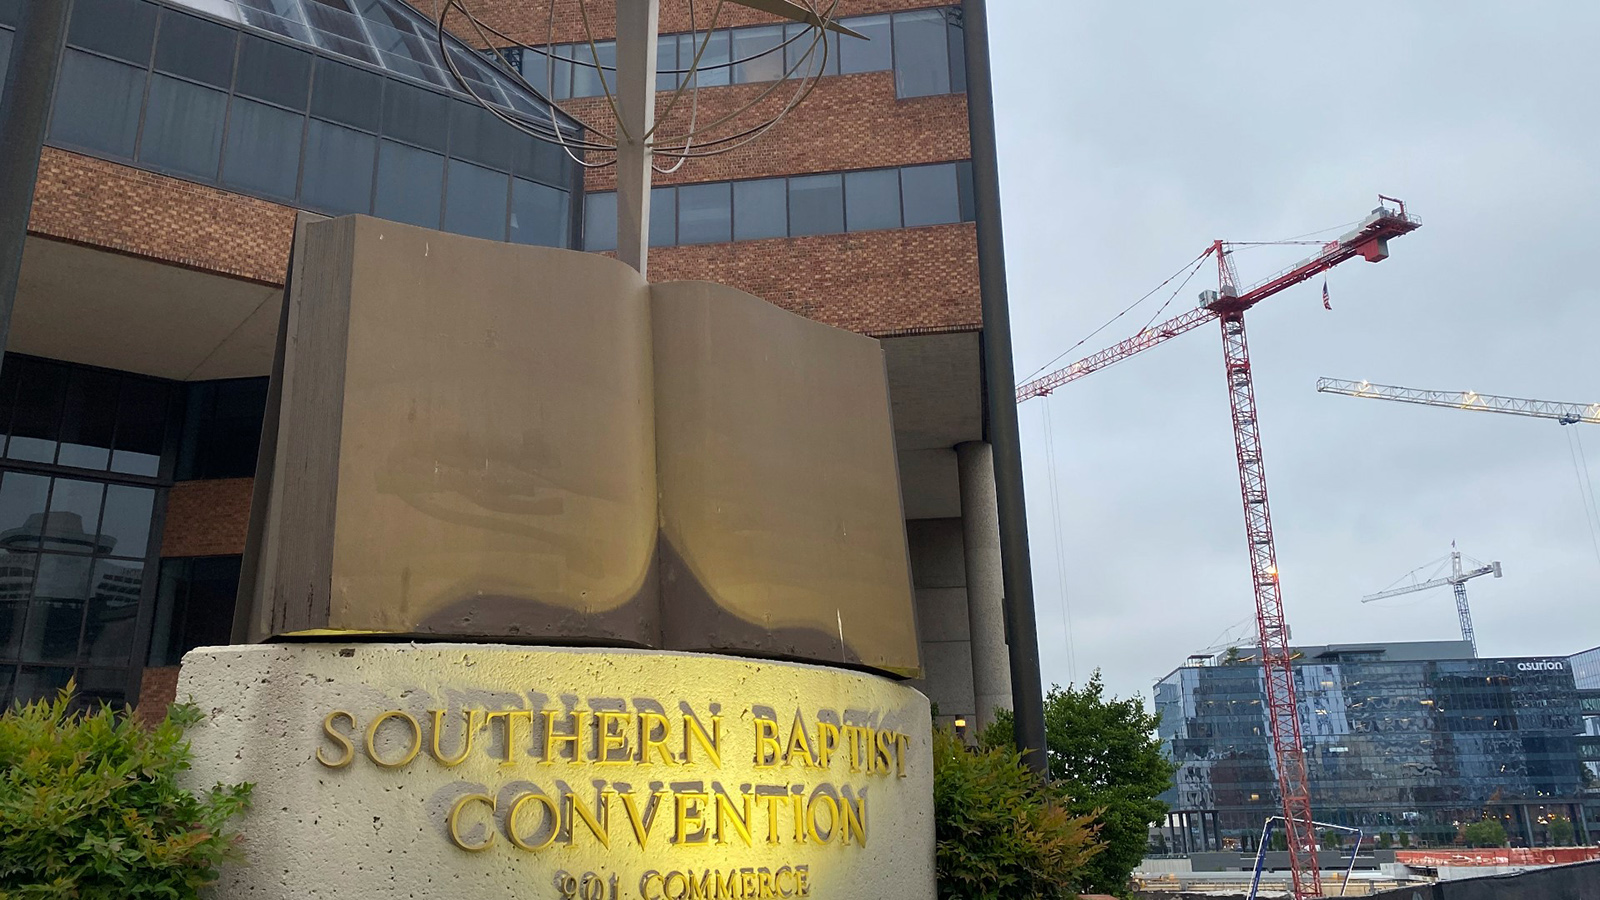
pixel 539 214
pixel 22 500
pixel 346 94
pixel 816 205
pixel 663 216
pixel 759 48
pixel 334 26
pixel 338 169
pixel 55 616
pixel 414 115
pixel 958 53
pixel 550 75
pixel 824 51
pixel 410 185
pixel 90 419
pixel 872 55
pixel 35 682
pixel 964 190
pixel 713 67
pixel 273 72
pixel 585 77
pixel 263 148
pixel 115 587
pixel 667 62
pixel 183 127
pixel 120 28
pixel 194 606
pixel 760 209
pixel 921 53
pixel 872 199
pixel 141 427
pixel 930 195
pixel 5 61
pixel 705 213
pixel 74 516
pixel 476 135
pixel 475 202
pixel 600 222
pixel 97 104
pixel 222 428
pixel 196 49
pixel 36 418
pixel 125 524
pixel 541 161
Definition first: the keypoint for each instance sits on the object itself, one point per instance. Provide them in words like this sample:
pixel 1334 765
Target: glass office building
pixel 1416 739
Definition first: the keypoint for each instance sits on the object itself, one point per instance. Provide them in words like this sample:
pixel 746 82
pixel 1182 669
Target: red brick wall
pixel 529 20
pixel 91 201
pixel 207 518
pixel 156 693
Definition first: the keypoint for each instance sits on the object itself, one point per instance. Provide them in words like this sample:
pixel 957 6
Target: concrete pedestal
pixel 446 770
pixel 980 537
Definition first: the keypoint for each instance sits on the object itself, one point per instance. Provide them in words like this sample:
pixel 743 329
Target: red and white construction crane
pixel 1227 305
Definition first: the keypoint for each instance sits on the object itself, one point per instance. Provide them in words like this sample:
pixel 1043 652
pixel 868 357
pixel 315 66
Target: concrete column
pixel 980 538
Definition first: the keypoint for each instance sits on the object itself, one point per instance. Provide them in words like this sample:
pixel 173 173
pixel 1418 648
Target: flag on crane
pixel 1325 303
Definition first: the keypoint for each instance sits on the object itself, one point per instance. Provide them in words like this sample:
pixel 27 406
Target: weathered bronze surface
pixel 495 442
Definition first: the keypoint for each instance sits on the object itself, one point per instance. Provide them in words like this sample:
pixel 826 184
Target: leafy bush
pixel 1561 831
pixel 1001 831
pixel 1487 833
pixel 90 806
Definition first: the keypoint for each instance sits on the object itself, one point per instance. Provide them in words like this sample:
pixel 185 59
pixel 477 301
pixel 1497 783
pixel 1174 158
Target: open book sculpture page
pixel 472 440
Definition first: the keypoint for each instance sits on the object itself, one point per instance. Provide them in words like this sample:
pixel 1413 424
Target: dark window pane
pixel 338 169
pixel 713 66
pixel 194 606
pixel 600 222
pixel 222 429
pixel 667 62
pixel 183 127
pixel 476 135
pixel 16 586
pixel 5 60
pixel 335 27
pixel 74 516
pixel 141 427
pixel 39 683
pixel 921 53
pixel 550 75
pixel 125 525
pixel 539 214
pixel 346 94
pixel 276 16
pixel 263 150
pixel 760 209
pixel 273 72
pixel 823 52
pixel 114 593
pixel 97 687
pixel 90 419
pixel 958 54
pixel 22 500
pixel 872 199
pixel 37 417
pixel 705 214
pixel 930 195
pixel 586 78
pixel 10 10
pixel 167 622
pixel 97 104
pixel 873 55
pixel 749 44
pixel 663 216
pixel 542 161
pixel 410 185
pixel 120 28
pixel 969 208
pixel 816 205
pixel 196 49
pixel 414 115
pixel 475 202
pixel 55 616
pixel 10 375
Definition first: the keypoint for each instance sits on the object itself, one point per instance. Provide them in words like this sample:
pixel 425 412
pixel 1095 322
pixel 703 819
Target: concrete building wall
pixel 938 572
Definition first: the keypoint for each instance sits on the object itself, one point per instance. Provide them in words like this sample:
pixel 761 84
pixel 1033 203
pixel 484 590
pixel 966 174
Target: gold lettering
pixel 578 810
pixel 802 877
pixel 797 805
pixel 853 820
pixel 453 822
pixel 346 747
pixel 641 824
pixel 883 759
pixel 610 741
pixel 511 716
pixel 683 886
pixel 647 726
pixel 811 818
pixel 772 818
pixel 467 732
pixel 552 817
pixel 727 887
pixel 416 739
pixel 901 742
pixel 851 733
pixel 797 739
pixel 644 884
pixel 711 744
pixel 691 810
pixel 827 742
pixel 747 882
pixel 777 882
pixel 575 736
pixel 727 814
pixel 767 737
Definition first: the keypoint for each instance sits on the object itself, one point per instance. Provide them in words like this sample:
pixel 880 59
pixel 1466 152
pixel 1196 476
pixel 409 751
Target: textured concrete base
pixel 444 770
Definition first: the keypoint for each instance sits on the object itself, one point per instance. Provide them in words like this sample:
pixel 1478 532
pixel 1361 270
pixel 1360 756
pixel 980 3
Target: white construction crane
pixel 1565 413
pixel 1457 579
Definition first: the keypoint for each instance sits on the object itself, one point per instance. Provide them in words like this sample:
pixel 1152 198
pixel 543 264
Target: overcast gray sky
pixel 1133 134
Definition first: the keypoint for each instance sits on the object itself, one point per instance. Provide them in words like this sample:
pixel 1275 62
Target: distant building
pixel 1415 738
pixel 1586 669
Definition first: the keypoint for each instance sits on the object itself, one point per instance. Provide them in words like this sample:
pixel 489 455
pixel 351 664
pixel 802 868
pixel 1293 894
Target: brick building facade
pixel 184 137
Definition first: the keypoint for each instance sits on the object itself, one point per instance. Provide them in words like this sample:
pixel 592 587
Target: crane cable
pixel 1586 493
pixel 1061 555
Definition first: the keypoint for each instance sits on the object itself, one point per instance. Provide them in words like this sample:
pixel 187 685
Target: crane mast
pixel 1457 579
pixel 1227 305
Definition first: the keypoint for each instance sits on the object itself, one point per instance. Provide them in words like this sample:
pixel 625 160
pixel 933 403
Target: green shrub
pixel 1001 831
pixel 1486 833
pixel 1561 831
pixel 90 806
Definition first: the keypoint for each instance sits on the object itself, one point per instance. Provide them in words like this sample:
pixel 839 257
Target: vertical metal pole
pixel 636 106
pixel 1000 377
pixel 30 81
